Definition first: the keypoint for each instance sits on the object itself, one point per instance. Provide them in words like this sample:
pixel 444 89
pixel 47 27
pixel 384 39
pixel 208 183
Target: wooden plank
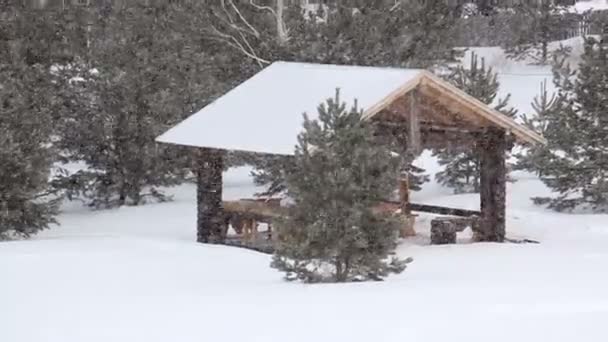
pixel 432 109
pixel 462 112
pixel 252 208
pixel 434 209
pixel 439 210
pixel 452 129
pixel 430 126
pixel 392 97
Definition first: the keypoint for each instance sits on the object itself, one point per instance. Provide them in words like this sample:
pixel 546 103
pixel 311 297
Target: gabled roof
pixel 264 114
pixel 455 95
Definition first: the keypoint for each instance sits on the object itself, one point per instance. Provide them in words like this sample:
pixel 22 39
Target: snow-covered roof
pixel 264 114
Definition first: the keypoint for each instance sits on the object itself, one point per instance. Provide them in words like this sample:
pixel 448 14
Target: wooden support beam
pixel 448 129
pixel 404 194
pixel 492 147
pixel 414 141
pixel 459 111
pixel 409 220
pixel 431 126
pixel 431 137
pixel 434 209
pixel 210 216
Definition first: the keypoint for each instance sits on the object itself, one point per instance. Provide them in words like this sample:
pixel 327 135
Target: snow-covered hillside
pixel 522 79
pixel 136 274
pixel 586 5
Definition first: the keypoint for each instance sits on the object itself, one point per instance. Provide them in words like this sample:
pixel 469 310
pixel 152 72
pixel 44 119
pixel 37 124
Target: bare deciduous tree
pixel 234 29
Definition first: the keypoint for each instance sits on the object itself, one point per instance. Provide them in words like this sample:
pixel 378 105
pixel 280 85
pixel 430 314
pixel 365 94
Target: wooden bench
pixel 445 229
pixel 244 215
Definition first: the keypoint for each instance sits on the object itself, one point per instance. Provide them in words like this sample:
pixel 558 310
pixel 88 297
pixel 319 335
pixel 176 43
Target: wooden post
pixel 492 148
pixel 414 140
pixel 406 210
pixel 404 194
pixel 412 149
pixel 210 214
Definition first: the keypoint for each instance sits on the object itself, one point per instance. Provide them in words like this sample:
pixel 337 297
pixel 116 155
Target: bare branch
pixel 252 51
pixel 229 22
pixel 267 8
pixel 235 44
pixel 238 28
pixel 395 6
pixel 226 10
pixel 282 30
pixel 255 32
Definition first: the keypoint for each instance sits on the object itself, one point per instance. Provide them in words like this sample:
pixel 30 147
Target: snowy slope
pixel 596 5
pixel 522 79
pixel 135 274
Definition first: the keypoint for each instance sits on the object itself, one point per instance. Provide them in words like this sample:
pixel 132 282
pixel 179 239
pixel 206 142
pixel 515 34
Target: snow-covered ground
pixel 136 274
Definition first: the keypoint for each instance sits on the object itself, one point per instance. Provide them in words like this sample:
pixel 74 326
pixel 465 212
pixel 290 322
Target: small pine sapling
pixel 332 233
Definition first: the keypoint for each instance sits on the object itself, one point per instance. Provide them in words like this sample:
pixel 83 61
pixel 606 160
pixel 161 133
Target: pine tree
pixel 535 158
pixel 139 79
pixel 331 233
pixel 461 163
pixel 535 25
pixel 379 33
pixel 575 162
pixel 27 203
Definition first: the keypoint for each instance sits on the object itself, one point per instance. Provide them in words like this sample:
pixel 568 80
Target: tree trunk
pixel 122 192
pixel 122 198
pixel 493 171
pixel 282 31
pixel 339 275
pixel 210 214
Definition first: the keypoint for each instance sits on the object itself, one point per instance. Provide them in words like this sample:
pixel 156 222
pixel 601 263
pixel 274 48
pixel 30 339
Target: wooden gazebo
pixel 264 115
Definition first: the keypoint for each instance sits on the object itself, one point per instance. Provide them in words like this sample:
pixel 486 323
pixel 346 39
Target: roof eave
pixel 521 133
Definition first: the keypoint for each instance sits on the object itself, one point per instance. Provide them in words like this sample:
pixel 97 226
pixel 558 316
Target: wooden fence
pixel 499 29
